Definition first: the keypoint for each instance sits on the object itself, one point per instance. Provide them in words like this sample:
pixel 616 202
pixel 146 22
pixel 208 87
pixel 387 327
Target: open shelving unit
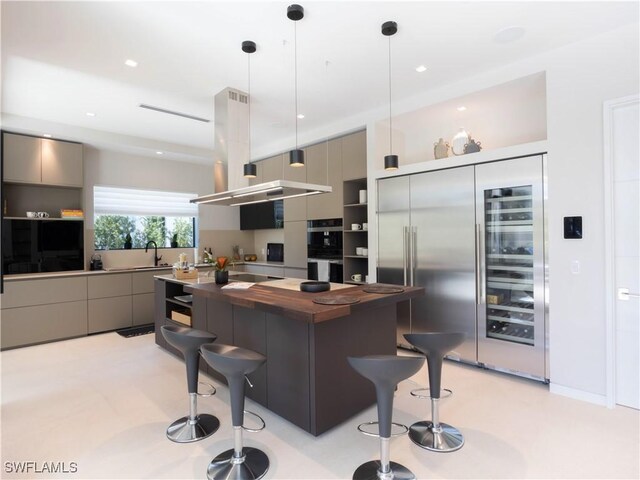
pixel 354 212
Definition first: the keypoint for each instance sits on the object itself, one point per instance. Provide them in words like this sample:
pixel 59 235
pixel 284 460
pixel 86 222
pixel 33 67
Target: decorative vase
pixel 459 141
pixel 222 276
pixel 472 146
pixel 440 149
pixel 127 245
pixel 174 244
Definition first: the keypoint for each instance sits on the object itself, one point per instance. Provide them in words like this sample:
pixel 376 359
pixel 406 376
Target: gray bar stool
pixel 433 435
pixel 195 426
pixel 238 463
pixel 385 371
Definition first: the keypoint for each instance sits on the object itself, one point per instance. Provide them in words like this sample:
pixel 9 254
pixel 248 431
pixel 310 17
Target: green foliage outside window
pixel 111 230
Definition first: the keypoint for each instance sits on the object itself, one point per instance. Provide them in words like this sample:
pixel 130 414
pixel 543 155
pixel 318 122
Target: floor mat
pixel 135 331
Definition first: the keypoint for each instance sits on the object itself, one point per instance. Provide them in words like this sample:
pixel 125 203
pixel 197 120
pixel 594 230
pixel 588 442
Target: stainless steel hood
pixel 263 192
pixel 231 152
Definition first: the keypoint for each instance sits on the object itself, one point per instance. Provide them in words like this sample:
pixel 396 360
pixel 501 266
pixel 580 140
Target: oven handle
pixel 324 229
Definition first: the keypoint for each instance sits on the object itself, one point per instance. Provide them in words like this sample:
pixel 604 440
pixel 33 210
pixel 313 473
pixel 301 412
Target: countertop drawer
pixel 105 286
pixel 42 292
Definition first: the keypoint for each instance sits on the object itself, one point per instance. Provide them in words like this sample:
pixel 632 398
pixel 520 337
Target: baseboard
pixel 578 394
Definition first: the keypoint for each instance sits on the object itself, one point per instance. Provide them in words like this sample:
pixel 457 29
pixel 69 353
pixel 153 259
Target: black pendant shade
pixel 391 162
pixel 250 170
pixel 296 158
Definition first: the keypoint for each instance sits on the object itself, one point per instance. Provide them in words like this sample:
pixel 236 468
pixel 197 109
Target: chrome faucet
pixel 156 258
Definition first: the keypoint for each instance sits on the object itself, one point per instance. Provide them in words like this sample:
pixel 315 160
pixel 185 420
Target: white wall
pixel 105 167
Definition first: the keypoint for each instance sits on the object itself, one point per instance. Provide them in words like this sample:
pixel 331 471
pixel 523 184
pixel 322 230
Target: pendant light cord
pixel 295 74
pixel 249 100
pixel 390 118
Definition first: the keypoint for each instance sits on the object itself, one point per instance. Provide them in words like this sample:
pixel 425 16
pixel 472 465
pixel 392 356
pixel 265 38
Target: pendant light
pixel 295 13
pixel 390 161
pixel 249 47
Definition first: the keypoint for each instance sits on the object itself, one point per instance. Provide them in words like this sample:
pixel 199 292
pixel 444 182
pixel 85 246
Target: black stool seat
pixel 195 426
pixel 385 372
pixel 238 463
pixel 433 435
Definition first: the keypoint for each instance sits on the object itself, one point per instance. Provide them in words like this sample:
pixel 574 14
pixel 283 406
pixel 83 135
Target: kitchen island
pixel 306 379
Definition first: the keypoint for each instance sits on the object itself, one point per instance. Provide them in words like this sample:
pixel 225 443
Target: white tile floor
pixel 105 402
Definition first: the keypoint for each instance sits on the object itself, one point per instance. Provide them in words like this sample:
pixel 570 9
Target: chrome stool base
pixel 185 431
pixel 371 471
pixel 448 439
pixel 252 466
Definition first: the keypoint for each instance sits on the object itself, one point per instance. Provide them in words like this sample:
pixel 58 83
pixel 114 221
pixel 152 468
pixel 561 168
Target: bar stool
pixel 238 463
pixel 433 435
pixel 195 426
pixel 385 371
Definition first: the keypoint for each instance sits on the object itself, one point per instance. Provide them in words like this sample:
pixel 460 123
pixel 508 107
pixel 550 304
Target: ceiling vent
pixel 172 112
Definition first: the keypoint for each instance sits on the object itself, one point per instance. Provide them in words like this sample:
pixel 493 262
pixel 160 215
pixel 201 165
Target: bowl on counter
pixel 250 257
pixel 314 286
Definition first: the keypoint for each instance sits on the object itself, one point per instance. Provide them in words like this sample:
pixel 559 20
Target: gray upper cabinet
pixel 271 168
pixel 354 156
pixel 294 208
pixel 62 163
pixel 41 161
pixel 295 240
pixel 22 159
pixel 324 165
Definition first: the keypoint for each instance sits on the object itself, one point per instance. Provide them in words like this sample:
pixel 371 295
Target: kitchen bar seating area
pixel 259 240
pixel 129 390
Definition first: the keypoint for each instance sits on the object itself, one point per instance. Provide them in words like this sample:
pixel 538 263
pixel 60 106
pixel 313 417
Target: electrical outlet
pixel 262 252
pixel 242 251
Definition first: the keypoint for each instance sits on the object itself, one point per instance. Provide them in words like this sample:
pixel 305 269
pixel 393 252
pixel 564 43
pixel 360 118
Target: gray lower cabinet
pixel 109 313
pixel 102 286
pixel 142 308
pixel 43 323
pixel 295 273
pixel 264 270
pixel 26 293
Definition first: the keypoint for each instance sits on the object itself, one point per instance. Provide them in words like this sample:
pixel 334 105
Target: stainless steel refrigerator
pixel 473 236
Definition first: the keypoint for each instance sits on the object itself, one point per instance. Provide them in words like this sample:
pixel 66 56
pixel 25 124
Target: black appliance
pixel 32 246
pixel 324 239
pixel 275 252
pixel 260 216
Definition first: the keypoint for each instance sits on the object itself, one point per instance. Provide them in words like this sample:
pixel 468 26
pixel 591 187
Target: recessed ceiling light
pixel 421 68
pixel 131 63
pixel 159 153
pixel 509 34
pixel 91 114
pixel 46 135
pixel 461 108
pixel 300 116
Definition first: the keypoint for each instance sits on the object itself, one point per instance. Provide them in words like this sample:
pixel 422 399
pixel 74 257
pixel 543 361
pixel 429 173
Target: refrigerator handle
pixel 479 286
pixel 404 254
pixel 414 253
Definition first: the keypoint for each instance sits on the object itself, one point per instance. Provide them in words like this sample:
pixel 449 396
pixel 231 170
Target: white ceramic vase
pixel 459 141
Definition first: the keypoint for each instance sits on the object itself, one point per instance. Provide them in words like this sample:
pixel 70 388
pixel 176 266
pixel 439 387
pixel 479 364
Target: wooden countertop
pixel 299 305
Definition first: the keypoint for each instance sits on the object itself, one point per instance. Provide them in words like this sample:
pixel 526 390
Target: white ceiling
pixel 63 59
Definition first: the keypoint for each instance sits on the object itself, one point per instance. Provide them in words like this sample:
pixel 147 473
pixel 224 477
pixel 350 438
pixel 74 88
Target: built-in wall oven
pixel 324 250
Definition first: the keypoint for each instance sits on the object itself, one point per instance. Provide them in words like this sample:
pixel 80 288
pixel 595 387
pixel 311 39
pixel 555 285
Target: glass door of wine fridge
pixel 510 252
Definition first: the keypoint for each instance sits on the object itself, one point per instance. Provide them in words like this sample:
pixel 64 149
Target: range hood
pixel 231 152
pixel 263 192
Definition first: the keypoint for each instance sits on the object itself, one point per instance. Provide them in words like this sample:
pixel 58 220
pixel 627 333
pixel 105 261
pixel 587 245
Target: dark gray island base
pixel 306 379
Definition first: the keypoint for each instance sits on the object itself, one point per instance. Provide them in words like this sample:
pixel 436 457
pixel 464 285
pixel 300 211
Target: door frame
pixel 609 107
